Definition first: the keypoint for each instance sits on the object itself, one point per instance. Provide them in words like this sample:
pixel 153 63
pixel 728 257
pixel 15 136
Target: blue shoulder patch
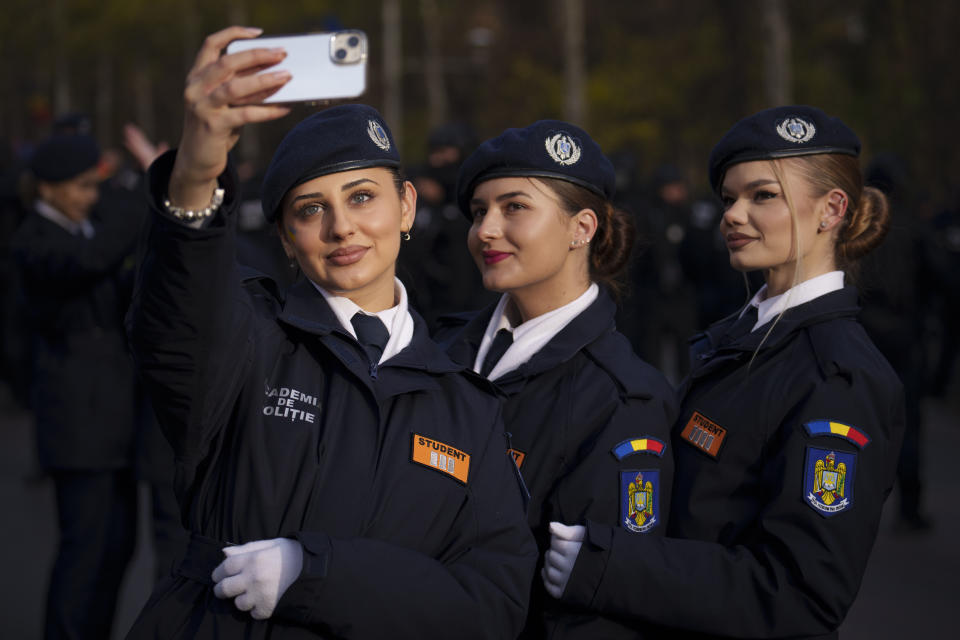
pixel 828 480
pixel 639 500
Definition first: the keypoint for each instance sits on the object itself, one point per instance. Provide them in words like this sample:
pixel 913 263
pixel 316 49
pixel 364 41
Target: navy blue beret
pixel 341 138
pixel 545 149
pixel 64 156
pixel 781 132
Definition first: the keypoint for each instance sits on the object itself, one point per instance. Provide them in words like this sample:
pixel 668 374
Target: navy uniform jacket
pixel 76 292
pixel 281 428
pixel 777 536
pixel 567 409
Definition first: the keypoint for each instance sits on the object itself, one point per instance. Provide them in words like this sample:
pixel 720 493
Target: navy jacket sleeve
pixel 189 321
pixel 800 576
pixel 643 416
pixel 368 588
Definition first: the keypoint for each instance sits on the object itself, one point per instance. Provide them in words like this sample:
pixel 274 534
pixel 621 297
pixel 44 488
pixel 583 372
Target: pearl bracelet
pixel 189 215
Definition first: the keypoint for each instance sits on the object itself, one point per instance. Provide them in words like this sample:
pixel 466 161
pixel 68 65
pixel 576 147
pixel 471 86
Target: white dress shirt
pixel 770 308
pixel 532 335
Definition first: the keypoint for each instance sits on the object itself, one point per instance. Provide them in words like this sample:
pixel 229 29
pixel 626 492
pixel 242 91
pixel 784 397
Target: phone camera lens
pixel 340 53
pixel 353 41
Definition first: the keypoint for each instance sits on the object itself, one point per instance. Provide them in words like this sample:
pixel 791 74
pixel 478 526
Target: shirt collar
pixel 84 228
pixel 770 308
pixel 397 318
pixel 530 336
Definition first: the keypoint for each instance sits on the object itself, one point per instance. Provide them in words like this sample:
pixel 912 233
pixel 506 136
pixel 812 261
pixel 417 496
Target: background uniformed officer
pixel 73 253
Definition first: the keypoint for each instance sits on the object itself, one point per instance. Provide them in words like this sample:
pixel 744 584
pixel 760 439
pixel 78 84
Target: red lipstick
pixel 493 257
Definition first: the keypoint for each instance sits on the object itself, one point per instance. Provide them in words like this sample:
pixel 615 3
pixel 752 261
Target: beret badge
pixel 379 136
pixel 563 148
pixel 796 130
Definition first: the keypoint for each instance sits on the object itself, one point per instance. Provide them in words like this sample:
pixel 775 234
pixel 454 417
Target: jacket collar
pixel 304 308
pixel 579 334
pixel 712 346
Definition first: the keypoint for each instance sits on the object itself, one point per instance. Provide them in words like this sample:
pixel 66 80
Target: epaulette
pixel 613 353
pixel 826 348
pixel 258 283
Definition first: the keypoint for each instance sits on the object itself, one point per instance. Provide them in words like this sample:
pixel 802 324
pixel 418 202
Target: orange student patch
pixel 704 434
pixel 441 457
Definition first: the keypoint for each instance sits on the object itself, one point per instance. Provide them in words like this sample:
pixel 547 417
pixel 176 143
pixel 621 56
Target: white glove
pixel 257 574
pixel 558 561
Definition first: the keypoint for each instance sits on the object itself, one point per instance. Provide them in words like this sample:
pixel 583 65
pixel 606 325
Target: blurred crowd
pixel 680 282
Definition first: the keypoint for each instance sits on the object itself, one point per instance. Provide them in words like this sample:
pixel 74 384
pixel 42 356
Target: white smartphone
pixel 324 66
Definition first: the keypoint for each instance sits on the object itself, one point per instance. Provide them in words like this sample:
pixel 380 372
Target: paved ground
pixel 909 591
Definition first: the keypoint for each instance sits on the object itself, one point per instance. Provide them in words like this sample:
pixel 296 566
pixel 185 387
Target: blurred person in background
pixel 634 313
pixel 14 353
pixel 717 289
pixel 942 256
pixel 75 260
pixel 441 275
pixel 660 275
pixel 893 314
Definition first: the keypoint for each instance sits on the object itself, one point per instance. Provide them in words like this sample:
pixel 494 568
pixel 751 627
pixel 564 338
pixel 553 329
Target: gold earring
pixel 405 235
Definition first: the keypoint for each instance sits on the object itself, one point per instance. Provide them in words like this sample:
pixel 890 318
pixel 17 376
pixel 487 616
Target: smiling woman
pixel 299 418
pixel 344 231
pixel 588 419
pixel 790 420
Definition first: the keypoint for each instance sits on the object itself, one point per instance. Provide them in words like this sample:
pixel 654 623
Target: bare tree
pixel 143 96
pixel 574 62
pixel 61 73
pixel 393 98
pixel 778 79
pixel 105 96
pixel 250 138
pixel 433 65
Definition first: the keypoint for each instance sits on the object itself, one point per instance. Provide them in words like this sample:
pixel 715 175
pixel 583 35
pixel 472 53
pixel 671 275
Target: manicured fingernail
pixel 254 30
pixel 282 75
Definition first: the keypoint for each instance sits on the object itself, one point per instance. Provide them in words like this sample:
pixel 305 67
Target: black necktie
pixel 501 342
pixel 371 334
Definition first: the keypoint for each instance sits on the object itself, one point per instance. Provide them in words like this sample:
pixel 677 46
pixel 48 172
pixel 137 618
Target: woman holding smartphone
pixel 790 422
pixel 588 420
pixel 339 474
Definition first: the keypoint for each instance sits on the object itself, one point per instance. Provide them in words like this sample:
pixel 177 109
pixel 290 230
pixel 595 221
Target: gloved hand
pixel 257 574
pixel 558 561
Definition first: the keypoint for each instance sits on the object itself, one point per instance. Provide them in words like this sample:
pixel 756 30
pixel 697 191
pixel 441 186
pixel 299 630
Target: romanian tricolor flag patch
pixel 838 429
pixel 639 445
